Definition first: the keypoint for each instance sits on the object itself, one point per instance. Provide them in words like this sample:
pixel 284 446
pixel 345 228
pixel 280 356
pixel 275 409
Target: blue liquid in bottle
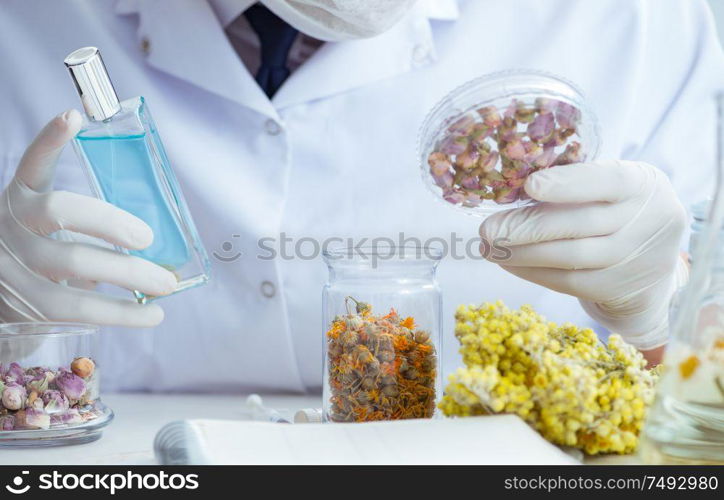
pixel 127 166
pixel 125 174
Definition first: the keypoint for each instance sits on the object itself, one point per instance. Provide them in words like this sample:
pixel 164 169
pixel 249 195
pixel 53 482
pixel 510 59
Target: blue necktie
pixel 276 38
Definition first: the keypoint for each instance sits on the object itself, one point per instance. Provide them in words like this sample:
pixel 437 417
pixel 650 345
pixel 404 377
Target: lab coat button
pixel 268 289
pixel 420 54
pixel 272 127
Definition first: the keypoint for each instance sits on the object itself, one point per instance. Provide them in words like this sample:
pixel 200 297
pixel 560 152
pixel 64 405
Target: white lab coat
pixel 334 153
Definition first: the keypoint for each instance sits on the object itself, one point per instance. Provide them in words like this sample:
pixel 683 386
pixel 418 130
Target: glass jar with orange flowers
pixel 382 311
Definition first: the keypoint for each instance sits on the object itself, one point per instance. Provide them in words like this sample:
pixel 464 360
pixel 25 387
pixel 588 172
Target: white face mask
pixel 335 20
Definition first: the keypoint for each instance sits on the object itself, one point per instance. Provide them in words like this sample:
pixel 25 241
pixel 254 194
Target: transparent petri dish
pixel 481 142
pixel 49 385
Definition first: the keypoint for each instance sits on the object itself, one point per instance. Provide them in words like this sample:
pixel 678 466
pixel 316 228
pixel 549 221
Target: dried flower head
pixel 14 395
pixel 71 385
pixel 83 367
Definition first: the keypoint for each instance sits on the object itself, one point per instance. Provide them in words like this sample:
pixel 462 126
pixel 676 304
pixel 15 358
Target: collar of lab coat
pixel 185 38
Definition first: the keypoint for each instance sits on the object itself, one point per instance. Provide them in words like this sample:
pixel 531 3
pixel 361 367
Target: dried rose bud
pixel 488 162
pixel 7 422
pixel 556 140
pixel 568 116
pixel 565 133
pixel 532 147
pixel 439 163
pixel 460 174
pixel 71 385
pixel 510 110
pixel 546 158
pixel 515 150
pixel 462 126
pixel 55 401
pixel 14 396
pixel 38 372
pixel 68 417
pixel 454 198
pixel 40 382
pixel 572 154
pixel 545 105
pixel 31 398
pixel 479 133
pixel 468 158
pixel 516 169
pixel 506 195
pixel 472 200
pixel 83 367
pixel 490 115
pixel 454 144
pixel 507 131
pixel 524 113
pixel 444 180
pixel 494 179
pixel 517 182
pixel 470 183
pixel 30 418
pixel 542 128
pixel 15 373
pixel 532 153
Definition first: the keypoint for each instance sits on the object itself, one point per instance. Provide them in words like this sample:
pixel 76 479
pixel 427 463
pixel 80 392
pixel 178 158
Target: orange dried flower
pixel 408 322
pixel 380 368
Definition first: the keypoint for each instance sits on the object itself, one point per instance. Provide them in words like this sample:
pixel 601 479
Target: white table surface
pixel 138 417
pixel 128 440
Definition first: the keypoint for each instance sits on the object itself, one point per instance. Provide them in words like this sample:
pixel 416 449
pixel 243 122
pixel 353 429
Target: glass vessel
pixel 382 314
pixel 50 385
pixel 479 144
pixel 127 166
pixel 686 422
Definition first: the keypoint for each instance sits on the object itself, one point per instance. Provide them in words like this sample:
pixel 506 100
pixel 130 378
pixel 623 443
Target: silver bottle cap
pixel 92 83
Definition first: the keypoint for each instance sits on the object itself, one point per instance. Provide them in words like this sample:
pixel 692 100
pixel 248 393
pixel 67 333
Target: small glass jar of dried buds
pixel 382 313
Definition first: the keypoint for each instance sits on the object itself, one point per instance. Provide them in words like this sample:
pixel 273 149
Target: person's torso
pixel 339 160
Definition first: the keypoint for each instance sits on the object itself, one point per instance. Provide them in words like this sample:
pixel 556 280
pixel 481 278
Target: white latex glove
pixel 33 266
pixel 607 233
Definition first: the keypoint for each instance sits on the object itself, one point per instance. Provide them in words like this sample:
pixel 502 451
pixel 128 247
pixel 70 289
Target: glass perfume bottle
pixel 686 423
pixel 127 166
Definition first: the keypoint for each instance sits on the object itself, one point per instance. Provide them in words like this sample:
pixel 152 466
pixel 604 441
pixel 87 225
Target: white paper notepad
pixel 503 439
